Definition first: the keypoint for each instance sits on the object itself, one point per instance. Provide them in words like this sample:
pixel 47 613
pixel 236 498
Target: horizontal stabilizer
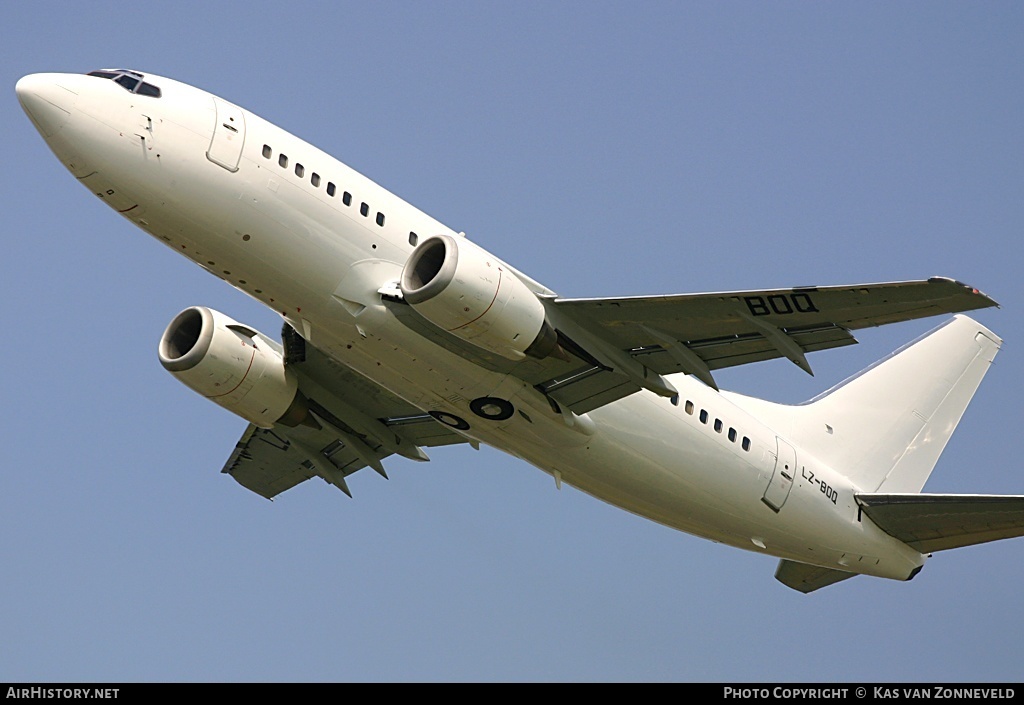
pixel 937 522
pixel 808 578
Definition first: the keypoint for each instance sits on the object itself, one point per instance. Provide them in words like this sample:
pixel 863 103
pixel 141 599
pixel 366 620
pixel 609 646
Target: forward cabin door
pixel 782 479
pixel 228 135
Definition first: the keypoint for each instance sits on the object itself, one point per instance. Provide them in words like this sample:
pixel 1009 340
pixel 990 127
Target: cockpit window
pixel 131 81
pixel 148 89
pixel 128 82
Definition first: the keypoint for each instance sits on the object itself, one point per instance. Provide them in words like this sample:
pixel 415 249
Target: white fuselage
pixel 275 233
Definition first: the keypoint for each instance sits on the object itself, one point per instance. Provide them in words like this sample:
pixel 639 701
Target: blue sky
pixel 604 149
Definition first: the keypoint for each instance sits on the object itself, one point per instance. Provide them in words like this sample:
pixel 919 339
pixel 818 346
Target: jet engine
pixel 232 365
pixel 468 292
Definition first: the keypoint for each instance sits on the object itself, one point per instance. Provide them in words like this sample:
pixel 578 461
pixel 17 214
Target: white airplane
pixel 400 333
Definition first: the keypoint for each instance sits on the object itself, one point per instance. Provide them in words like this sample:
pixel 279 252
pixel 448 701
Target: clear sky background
pixel 604 149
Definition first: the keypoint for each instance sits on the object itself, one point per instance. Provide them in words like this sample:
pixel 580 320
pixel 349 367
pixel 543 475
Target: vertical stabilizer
pixel 886 426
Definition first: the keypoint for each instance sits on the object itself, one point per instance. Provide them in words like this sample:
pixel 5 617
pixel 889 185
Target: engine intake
pixel 233 365
pixel 468 292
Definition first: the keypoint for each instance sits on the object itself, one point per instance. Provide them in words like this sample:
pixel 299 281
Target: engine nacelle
pixel 466 291
pixel 232 365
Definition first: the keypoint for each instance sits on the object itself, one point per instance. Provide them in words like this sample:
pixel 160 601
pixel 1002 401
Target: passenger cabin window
pixel 282 159
pixel 346 198
pixel 718 425
pixel 380 219
pixel 746 443
pixel 330 188
pixel 299 170
pixel 267 151
pixel 364 209
pixel 732 435
pixel 703 416
pixel 315 179
pixel 689 407
pixel 413 238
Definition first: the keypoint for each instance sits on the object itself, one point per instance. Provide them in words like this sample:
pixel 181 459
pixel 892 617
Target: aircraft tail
pixel 886 426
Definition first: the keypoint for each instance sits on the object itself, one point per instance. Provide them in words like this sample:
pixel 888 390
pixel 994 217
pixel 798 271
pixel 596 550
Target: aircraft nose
pixel 47 103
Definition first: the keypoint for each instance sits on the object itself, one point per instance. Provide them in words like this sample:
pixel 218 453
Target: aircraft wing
pixel 734 328
pixel 937 522
pixel 610 348
pixel 356 424
pixel 698 333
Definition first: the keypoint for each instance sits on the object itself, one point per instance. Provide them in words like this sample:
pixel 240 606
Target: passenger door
pixel 782 479
pixel 228 135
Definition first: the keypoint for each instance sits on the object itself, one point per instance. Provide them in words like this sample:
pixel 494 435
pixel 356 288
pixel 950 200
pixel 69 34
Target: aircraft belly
pixel 649 461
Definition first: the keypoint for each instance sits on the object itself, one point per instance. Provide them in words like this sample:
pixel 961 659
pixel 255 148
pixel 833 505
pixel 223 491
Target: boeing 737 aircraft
pixel 401 334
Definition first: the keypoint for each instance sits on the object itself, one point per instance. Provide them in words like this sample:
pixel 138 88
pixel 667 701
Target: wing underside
pixel 355 424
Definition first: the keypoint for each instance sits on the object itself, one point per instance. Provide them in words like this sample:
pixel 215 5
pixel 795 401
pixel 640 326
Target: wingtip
pixel 974 291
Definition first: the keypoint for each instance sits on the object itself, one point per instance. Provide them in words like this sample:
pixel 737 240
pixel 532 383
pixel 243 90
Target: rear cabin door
pixel 228 135
pixel 782 479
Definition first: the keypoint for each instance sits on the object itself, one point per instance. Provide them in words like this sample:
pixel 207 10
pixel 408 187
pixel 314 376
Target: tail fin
pixel 886 426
